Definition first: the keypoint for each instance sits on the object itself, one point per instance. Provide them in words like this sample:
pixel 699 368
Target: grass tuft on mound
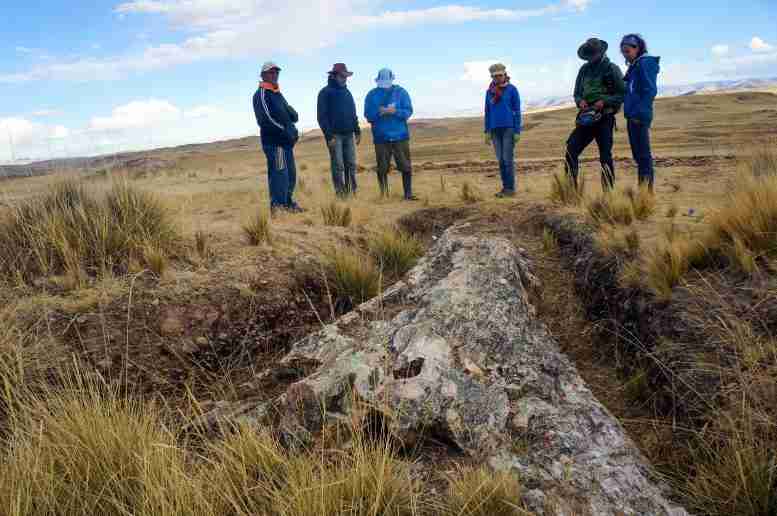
pixel 564 191
pixel 72 231
pixel 335 214
pixel 395 251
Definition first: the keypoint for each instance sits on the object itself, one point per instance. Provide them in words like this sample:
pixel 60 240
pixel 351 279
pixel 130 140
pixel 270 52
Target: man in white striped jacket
pixel 278 133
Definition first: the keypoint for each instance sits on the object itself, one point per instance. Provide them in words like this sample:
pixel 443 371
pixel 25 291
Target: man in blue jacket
pixel 340 125
pixel 641 91
pixel 503 125
pixel 276 119
pixel 388 108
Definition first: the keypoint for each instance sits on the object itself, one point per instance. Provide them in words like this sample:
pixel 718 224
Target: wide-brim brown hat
pixel 592 48
pixel 340 68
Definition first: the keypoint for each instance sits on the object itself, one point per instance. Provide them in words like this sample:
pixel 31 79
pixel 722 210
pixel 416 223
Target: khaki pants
pixel 400 151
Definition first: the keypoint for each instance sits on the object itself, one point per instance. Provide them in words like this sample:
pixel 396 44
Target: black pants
pixel 400 151
pixel 581 137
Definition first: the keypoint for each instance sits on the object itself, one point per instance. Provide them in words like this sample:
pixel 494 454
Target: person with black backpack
pixel 599 92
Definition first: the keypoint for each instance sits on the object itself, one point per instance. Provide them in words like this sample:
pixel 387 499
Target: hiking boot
pixel 505 193
pixel 296 208
pixel 411 198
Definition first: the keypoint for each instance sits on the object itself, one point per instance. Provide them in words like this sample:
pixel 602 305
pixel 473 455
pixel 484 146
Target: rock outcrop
pixel 456 351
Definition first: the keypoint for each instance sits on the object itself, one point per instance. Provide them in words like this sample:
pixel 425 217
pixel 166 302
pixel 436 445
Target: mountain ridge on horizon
pixel 36 167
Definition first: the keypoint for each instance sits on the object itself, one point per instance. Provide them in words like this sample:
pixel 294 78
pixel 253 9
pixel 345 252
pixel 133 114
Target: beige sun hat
pixel 497 68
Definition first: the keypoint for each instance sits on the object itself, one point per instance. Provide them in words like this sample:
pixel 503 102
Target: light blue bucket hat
pixel 385 78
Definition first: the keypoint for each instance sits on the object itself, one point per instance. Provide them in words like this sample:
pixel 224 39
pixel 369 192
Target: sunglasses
pixel 497 75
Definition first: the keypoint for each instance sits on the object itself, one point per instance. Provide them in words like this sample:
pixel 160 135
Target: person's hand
pixel 599 105
pixel 488 139
pixel 517 138
pixel 358 138
pixel 583 105
pixel 331 142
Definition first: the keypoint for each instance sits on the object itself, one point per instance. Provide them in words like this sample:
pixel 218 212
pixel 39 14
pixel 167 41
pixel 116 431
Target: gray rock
pixel 463 355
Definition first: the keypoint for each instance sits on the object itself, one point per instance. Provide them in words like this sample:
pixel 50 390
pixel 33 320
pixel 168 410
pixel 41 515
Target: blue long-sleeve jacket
pixel 641 89
pixel 506 112
pixel 388 128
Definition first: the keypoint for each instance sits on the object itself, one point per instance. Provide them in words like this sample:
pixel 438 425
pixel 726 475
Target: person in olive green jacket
pixel 599 93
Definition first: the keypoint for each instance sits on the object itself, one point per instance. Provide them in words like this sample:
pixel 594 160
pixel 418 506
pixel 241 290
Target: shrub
pixel 563 190
pixel 395 251
pixel 257 230
pixel 69 230
pixel 336 215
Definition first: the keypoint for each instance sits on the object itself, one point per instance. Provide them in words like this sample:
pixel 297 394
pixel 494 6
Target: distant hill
pixel 147 159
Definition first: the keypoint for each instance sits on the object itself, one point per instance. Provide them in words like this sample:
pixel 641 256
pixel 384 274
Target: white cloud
pixel 202 112
pixel 24 50
pixel 720 50
pixel 759 45
pixel 136 115
pixel 233 28
pixel 43 113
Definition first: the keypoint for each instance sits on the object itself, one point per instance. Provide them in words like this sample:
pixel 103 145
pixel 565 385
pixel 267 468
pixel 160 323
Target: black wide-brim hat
pixel 591 48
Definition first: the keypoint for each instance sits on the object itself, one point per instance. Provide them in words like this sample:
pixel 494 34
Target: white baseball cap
pixel 269 65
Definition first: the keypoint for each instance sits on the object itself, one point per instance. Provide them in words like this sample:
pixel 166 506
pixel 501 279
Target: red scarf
pixel 270 86
pixel 497 90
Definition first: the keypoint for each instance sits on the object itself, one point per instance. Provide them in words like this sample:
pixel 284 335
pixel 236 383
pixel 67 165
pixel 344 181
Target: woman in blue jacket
pixel 641 90
pixel 503 125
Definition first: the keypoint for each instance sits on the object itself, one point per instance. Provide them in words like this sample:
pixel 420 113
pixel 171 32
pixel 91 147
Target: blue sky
pixel 76 78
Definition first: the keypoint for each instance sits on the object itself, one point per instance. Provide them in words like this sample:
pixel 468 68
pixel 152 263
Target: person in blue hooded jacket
pixel 388 107
pixel 641 90
pixel 503 125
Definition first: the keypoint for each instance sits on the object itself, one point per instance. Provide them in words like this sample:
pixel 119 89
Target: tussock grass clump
pixel 614 240
pixel 201 244
pixel 336 214
pixel 72 231
pixel 665 264
pixel 745 228
pixel 763 161
pixel 481 492
pixel 395 251
pixel 470 194
pixel 257 230
pixel 612 207
pixel 351 275
pixel 643 202
pixel 563 190
pixel 90 452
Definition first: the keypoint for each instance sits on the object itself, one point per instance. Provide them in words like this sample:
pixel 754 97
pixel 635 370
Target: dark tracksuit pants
pixel 281 175
pixel 581 137
pixel 401 154
pixel 639 138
